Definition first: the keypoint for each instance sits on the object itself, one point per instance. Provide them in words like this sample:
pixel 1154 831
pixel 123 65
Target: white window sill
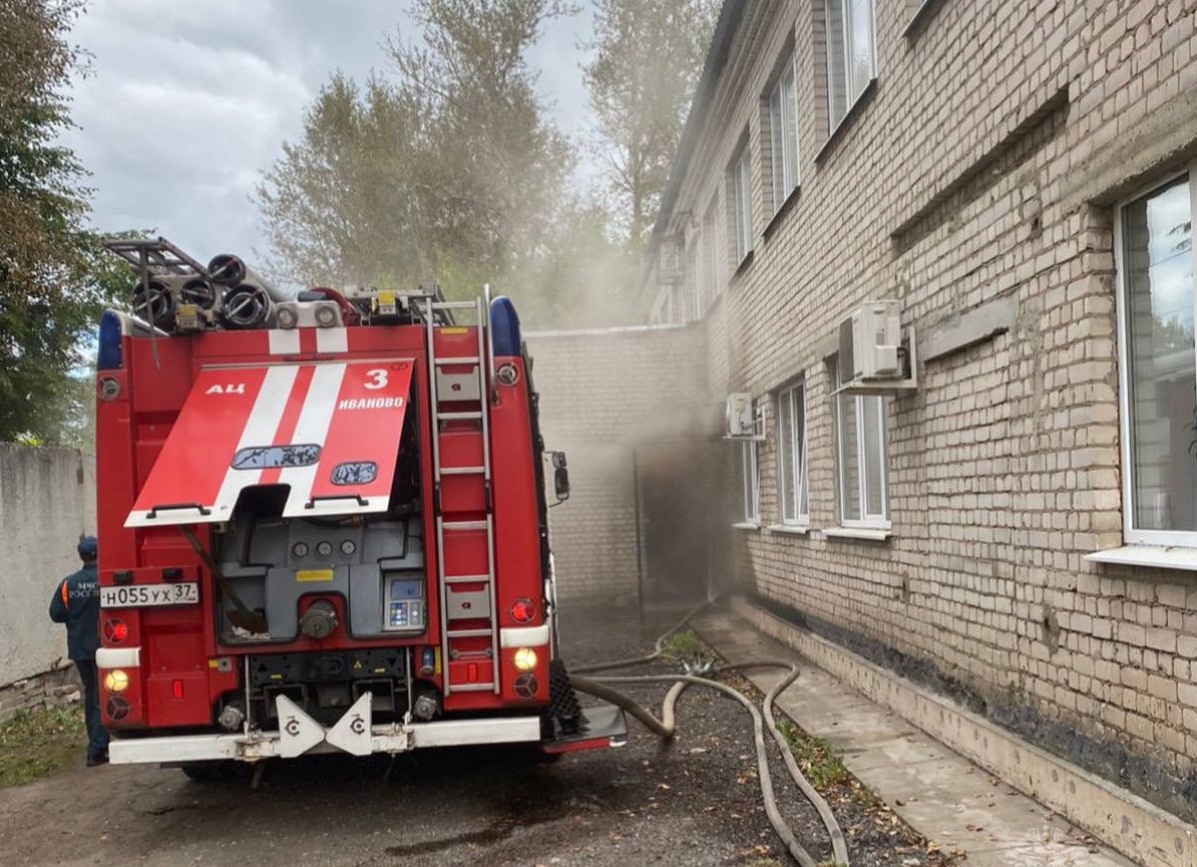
pixel 746 525
pixel 1148 555
pixel 919 18
pixel 875 535
pixel 792 529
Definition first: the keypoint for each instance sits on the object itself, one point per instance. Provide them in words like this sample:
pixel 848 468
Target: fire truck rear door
pixel 328 431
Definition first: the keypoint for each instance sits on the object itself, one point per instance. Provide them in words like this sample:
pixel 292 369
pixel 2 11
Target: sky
pixel 186 103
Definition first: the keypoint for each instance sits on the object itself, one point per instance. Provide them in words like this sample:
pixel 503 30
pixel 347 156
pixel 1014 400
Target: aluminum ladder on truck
pixel 465 528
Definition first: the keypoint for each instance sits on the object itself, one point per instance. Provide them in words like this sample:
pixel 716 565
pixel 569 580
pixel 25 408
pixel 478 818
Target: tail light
pixel 117 707
pixel 116 680
pixel 115 631
pixel 523 610
pixel 525 685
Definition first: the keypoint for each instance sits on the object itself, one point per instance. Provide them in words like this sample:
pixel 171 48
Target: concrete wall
pixel 977 177
pixel 602 393
pixel 47 501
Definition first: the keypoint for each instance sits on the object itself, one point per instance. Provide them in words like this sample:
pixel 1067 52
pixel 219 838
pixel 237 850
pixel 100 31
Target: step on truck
pixel 323 524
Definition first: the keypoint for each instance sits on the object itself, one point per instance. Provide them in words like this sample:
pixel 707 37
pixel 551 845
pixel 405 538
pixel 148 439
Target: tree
pixel 585 279
pixel 648 56
pixel 448 169
pixel 54 277
pixel 343 205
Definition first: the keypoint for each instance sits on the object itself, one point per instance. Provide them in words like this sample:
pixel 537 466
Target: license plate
pixel 148 595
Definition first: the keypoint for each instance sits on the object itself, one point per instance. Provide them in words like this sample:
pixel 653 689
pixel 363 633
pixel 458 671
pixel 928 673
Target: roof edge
pixel 725 29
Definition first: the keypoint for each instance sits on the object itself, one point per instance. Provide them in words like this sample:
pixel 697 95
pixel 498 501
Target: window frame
pixel 740 194
pixel 678 303
pixel 797 494
pixel 1131 534
pixel 866 521
pixel 850 99
pixel 710 254
pixel 790 174
pixel 750 488
pixel 694 255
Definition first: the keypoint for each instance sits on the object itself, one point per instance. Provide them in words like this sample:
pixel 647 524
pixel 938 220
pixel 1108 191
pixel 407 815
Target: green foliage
pixel 587 279
pixel 1170 335
pixel 815 757
pixel 55 277
pixel 684 646
pixel 648 55
pixel 34 744
pixel 447 167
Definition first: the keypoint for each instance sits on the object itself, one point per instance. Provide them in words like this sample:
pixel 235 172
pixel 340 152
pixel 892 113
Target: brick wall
pixel 981 167
pixel 53 688
pixel 602 393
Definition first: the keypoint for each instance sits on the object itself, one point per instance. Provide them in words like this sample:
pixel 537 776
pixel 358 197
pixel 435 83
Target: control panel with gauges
pixel 377 567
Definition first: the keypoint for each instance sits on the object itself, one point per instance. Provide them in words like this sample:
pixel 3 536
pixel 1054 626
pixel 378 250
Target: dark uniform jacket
pixel 76 603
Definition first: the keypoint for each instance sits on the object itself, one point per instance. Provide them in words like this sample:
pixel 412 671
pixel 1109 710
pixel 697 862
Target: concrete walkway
pixel 941 794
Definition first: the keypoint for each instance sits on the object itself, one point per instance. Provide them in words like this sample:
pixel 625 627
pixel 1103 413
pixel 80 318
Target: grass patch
pixel 35 744
pixel 684 646
pixel 816 758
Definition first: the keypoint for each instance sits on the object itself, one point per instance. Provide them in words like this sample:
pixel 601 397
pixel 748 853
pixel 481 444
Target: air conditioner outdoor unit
pixel 741 416
pixel 870 342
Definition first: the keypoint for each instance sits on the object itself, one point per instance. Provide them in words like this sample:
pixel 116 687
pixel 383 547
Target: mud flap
pixel 565 713
pixel 602 726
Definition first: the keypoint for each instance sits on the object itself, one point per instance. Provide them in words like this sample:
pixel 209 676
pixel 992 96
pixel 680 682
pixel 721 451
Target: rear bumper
pixel 299 734
pixel 255 746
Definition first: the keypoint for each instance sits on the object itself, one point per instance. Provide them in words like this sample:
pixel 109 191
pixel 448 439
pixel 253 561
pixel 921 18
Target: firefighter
pixel 76 603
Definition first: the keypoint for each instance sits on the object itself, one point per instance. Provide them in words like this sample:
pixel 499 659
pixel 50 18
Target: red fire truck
pixel 322 524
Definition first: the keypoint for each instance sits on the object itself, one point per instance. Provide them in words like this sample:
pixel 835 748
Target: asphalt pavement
pixel 694 802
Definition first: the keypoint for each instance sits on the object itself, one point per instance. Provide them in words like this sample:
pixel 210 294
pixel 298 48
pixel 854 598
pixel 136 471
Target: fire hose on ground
pixel 666 728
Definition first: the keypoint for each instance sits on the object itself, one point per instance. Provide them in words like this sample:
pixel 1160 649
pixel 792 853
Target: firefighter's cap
pixel 87 547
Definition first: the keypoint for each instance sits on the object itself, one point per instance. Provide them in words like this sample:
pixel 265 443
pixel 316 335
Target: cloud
pixel 185 104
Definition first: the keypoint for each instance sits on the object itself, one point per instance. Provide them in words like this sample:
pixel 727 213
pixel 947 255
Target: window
pixel 791 449
pixel 1154 249
pixel 860 427
pixel 750 482
pixel 660 314
pixel 677 304
pixel 783 136
pixel 850 64
pixel 695 281
pixel 709 281
pixel 741 202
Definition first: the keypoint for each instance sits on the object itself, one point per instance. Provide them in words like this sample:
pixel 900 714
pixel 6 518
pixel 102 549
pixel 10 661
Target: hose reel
pixel 246 306
pixel 154 302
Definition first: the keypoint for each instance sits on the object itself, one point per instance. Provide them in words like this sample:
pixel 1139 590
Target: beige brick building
pixel 614 400
pixel 1020 530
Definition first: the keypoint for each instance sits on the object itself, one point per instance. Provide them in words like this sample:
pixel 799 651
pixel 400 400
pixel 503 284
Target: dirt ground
pixel 695 802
